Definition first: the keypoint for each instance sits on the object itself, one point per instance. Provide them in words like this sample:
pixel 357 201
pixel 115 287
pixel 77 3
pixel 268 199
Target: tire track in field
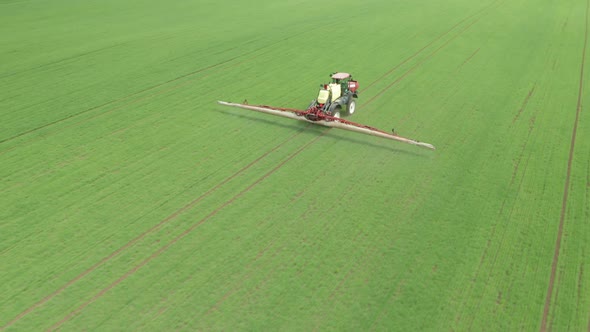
pixel 469 290
pixel 362 263
pixel 164 83
pixel 517 166
pixel 127 103
pixel 79 55
pixel 524 103
pixel 243 279
pixel 118 251
pixel 104 260
pixel 161 250
pixel 579 286
pixel 211 215
pixel 249 268
pixel 417 65
pixel 153 87
pixel 327 223
pixel 468 59
pixel 358 265
pixel 272 171
pixel 566 184
pixel 128 97
pixel 149 231
pixel 211 67
pixel 426 46
pixel 139 161
pixel 181 236
pixel 496 254
pixel 326 227
pixel 394 295
pixel 64 162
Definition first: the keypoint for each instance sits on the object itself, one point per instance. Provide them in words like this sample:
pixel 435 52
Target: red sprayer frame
pixel 315 115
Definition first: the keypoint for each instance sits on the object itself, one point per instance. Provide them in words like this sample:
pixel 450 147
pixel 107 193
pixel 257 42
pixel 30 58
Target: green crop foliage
pixel 130 200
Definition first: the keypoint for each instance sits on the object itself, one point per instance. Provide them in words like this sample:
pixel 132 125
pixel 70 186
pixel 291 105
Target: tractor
pixel 335 98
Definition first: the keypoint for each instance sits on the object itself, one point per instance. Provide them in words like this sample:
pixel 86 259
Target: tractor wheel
pixel 335 110
pixel 351 107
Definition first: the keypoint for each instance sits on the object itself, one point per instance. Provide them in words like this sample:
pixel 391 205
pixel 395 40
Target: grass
pixel 130 199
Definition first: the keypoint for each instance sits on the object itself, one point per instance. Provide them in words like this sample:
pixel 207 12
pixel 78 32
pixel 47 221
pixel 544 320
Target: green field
pixel 130 200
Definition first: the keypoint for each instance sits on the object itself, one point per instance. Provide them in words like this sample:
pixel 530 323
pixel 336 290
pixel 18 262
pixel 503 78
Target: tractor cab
pixel 345 81
pixel 337 95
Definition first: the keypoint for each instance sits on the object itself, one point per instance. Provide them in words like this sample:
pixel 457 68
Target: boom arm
pixel 328 121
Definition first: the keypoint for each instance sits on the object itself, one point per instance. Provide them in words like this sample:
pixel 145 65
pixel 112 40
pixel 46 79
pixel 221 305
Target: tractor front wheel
pixel 335 111
pixel 351 107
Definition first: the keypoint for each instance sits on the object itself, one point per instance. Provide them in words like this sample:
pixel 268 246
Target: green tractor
pixel 336 98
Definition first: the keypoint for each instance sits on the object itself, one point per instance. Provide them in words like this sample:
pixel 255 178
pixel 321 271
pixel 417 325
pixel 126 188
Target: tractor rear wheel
pixel 351 107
